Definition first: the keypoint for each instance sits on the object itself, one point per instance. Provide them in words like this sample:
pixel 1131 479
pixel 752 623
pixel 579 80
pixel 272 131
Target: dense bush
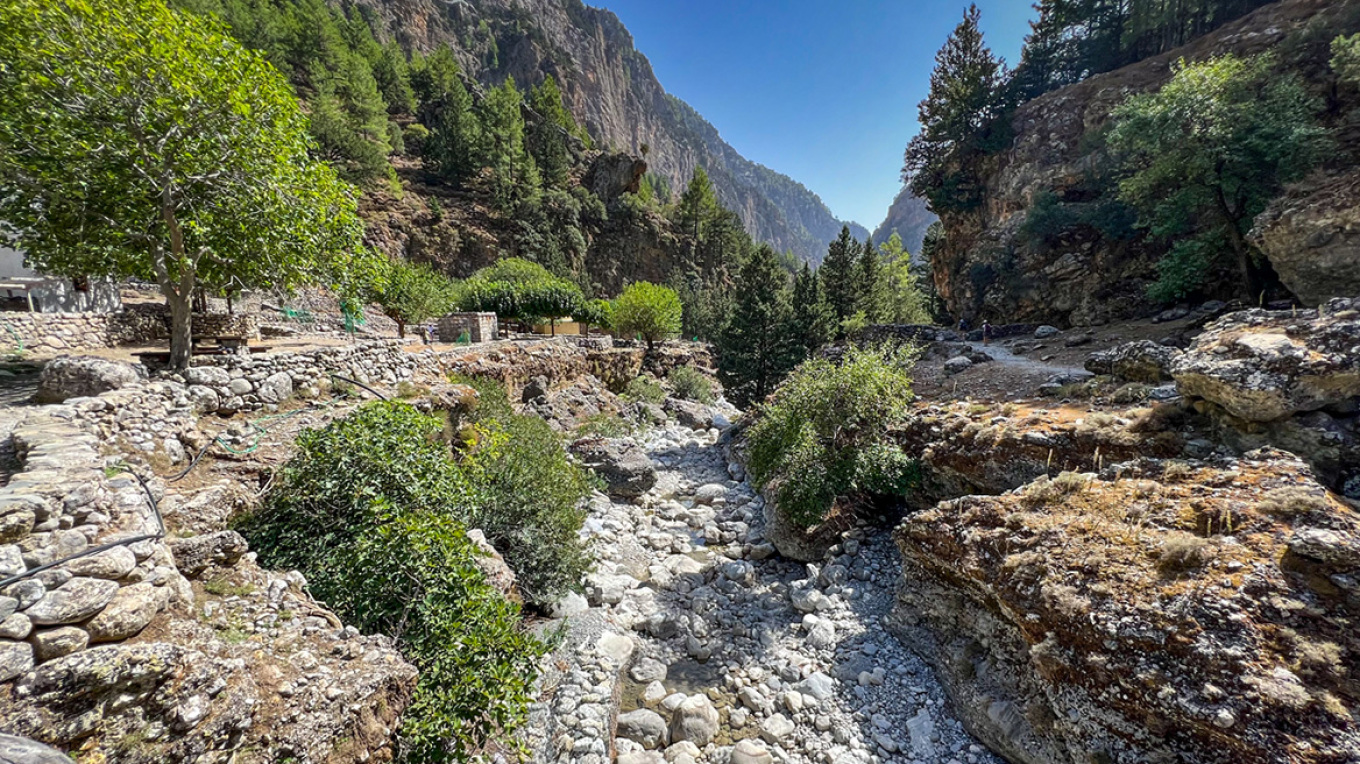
pixel 651 311
pixel 825 433
pixel 645 389
pixel 519 290
pixel 372 510
pixel 532 497
pixel 690 384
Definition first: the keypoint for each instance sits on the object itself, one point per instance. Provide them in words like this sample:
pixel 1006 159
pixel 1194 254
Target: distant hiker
pixel 986 331
pixel 428 331
pixel 963 326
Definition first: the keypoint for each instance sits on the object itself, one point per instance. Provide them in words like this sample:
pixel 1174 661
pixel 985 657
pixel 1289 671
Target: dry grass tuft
pixel 1182 552
pixel 1293 501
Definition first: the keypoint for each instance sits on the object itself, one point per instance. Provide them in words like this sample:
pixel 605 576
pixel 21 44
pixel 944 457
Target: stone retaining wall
pixel 54 333
pixel 63 503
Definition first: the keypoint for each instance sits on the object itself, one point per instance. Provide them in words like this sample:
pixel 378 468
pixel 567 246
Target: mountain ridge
pixel 610 87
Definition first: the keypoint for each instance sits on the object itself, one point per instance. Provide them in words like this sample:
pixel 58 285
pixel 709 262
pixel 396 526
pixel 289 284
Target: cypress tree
pixel 698 205
pixel 840 279
pixel 758 347
pixel 957 120
pixel 514 178
pixel 870 283
pixel 446 110
pixel 811 315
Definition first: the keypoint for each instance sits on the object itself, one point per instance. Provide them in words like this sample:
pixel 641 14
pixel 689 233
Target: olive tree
pixel 137 141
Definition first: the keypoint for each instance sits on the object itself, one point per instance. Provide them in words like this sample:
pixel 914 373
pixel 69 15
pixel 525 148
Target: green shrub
pixel 371 510
pixel 645 390
pixel 825 433
pixel 650 311
pixel 690 384
pixel 533 497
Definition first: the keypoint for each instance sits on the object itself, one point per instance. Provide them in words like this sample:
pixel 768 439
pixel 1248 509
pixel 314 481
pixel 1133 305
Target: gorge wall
pixel 1096 268
pixel 610 87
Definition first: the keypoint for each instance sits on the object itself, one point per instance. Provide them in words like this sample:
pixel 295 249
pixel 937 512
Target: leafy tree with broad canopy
pixel 518 290
pixel 649 310
pixel 412 292
pixel 136 141
pixel 1203 156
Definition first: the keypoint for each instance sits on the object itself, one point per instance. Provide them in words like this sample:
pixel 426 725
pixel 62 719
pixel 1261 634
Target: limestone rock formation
pixel 992 266
pixel 1312 237
pixel 620 463
pixel 1142 361
pixel 83 376
pixel 1159 611
pixel 1263 366
pixel 610 87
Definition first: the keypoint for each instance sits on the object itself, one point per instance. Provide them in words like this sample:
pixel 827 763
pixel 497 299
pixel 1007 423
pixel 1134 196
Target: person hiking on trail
pixel 986 331
pixel 963 326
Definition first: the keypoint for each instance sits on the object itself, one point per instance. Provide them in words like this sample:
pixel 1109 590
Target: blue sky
pixel 824 92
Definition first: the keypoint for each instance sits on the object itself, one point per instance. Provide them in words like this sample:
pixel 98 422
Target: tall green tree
pixel 393 76
pixel 697 208
pixel 451 149
pixel 137 141
pixel 514 177
pixel 551 133
pixel 905 302
pixel 1202 157
pixel 871 284
pixel 759 346
pixel 961 120
pixel 840 278
pixel 813 323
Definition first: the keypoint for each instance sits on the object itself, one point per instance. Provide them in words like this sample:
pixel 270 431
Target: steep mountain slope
pixel 909 217
pixel 610 87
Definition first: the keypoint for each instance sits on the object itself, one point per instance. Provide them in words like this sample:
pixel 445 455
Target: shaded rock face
pixel 1263 366
pixel 991 267
pixel 1312 238
pixel 1157 612
pixel 908 217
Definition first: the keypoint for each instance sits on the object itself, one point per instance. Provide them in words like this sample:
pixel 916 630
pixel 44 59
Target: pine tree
pixel 811 315
pixel 446 110
pixel 758 347
pixel 960 120
pixel 698 205
pixel 840 279
pixel 394 80
pixel 870 283
pixel 551 132
pixel 514 178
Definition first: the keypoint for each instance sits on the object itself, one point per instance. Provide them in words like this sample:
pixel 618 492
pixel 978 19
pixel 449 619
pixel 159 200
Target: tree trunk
pixel 181 331
pixel 401 330
pixel 1241 248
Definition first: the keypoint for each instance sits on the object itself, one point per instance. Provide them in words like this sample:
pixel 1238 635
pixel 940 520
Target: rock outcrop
pixel 1161 611
pixel 1312 237
pixel 1096 268
pixel 1263 366
pixel 620 463
pixel 1143 361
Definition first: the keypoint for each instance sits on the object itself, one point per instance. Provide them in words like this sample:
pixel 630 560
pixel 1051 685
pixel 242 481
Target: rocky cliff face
pixel 909 217
pixel 611 88
pixel 1095 272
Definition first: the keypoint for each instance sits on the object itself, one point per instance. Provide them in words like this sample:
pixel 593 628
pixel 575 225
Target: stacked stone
pixel 59 506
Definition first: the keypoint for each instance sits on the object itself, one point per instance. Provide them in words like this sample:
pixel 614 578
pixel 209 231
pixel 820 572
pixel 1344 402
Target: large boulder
pixel 1266 365
pixel 695 416
pixel 796 541
pixel 620 463
pixel 82 376
pixel 1157 611
pixel 695 720
pixel 1142 361
pixel 1311 236
pixel 20 750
